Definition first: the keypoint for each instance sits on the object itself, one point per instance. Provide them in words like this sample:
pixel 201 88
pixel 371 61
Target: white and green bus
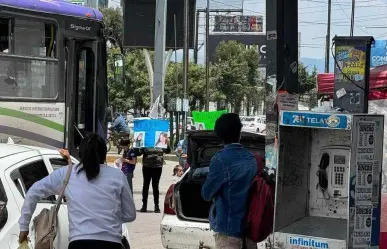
pixel 53 75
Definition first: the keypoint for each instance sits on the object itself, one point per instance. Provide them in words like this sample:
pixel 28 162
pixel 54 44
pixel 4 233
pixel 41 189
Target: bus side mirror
pixel 119 66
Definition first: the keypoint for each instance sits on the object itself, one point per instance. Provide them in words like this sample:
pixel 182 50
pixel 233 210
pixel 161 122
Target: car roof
pixel 13 149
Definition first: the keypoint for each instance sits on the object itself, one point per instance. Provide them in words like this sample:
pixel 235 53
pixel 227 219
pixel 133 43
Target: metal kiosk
pixel 328 180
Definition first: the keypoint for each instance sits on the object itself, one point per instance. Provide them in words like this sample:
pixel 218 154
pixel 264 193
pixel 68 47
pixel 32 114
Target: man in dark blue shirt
pixel 231 172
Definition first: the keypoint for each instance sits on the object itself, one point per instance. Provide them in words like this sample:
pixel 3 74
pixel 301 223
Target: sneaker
pixel 157 209
pixel 143 210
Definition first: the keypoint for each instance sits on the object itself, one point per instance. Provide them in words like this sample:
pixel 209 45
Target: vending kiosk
pixel 328 180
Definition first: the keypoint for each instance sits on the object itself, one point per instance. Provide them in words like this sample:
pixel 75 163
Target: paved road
pixel 145 230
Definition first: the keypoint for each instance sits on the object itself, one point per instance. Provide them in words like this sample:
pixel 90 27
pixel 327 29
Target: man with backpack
pixel 232 170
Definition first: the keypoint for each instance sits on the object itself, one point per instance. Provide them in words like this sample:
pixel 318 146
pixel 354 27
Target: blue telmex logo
pixel 309 243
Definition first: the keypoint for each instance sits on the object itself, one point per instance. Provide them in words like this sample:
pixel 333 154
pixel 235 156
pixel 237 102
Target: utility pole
pixel 159 60
pixel 196 50
pixel 328 39
pixel 185 62
pixel 352 17
pixel 207 56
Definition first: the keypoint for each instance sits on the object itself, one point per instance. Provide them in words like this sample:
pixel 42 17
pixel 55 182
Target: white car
pixel 20 167
pixel 254 124
pixel 185 221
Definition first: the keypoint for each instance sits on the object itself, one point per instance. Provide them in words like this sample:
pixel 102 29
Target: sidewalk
pixel 145 230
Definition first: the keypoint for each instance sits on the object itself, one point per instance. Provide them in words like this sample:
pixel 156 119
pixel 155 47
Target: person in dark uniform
pixel 152 162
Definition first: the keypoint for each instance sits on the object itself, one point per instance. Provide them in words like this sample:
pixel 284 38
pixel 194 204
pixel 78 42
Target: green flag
pixel 207 119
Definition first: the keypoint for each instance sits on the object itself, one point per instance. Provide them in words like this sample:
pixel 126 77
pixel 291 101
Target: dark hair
pixel 125 142
pixel 164 134
pixel 92 152
pixel 176 169
pixel 228 128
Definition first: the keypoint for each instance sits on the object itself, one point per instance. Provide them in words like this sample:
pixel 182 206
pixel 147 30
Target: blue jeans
pixel 129 177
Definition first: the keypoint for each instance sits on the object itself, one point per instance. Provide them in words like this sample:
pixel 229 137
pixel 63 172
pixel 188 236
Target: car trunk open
pixel 202 145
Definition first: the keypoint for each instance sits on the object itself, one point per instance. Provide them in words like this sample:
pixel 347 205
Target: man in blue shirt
pixel 231 172
pixel 119 125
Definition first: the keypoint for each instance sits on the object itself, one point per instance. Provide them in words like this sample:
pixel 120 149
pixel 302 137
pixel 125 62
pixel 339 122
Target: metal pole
pixel 176 73
pixel 159 61
pixel 207 56
pixel 328 37
pixel 148 63
pixel 186 61
pixel 352 17
pixel 196 38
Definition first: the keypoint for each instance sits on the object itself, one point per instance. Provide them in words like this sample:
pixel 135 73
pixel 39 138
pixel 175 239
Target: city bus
pixel 53 73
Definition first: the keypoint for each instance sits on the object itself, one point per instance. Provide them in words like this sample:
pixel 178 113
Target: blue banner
pixel 150 133
pixel 379 53
pixel 315 120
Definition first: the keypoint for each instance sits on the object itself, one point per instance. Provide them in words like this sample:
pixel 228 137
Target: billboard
pixel 139 23
pixel 238 23
pixel 379 53
pixel 258 40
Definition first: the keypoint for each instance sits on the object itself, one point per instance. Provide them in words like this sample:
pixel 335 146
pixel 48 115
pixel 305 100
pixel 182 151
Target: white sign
pixel 185 105
pixel 288 102
pixel 363 226
pixel 178 104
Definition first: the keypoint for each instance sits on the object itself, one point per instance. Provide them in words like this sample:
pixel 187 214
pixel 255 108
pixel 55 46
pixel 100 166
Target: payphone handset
pixel 333 172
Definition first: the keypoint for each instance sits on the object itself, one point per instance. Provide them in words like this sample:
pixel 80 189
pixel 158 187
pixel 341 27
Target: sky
pixel 370 19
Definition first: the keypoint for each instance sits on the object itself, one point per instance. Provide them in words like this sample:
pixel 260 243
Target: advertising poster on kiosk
pixel 364 203
pixel 150 133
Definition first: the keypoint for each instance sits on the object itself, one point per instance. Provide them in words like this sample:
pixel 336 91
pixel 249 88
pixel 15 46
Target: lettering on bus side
pixel 78 27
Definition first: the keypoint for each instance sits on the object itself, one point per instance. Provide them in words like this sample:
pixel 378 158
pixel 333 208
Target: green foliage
pixel 114 23
pixel 307 80
pixel 236 70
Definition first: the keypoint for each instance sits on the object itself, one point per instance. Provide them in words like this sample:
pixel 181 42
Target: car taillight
pixel 169 202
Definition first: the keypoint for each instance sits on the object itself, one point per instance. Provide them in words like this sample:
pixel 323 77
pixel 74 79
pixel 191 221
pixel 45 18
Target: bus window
pixel 34 38
pixel 85 89
pixel 4 35
pixel 28 78
pixel 29 70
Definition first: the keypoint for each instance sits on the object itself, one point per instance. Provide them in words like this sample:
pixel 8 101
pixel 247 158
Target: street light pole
pixel 185 62
pixel 352 17
pixel 207 56
pixel 328 37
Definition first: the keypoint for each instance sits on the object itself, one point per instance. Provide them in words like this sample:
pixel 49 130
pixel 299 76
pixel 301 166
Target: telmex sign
pixel 250 40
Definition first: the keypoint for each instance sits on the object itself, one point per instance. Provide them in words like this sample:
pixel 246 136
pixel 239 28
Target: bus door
pixel 80 91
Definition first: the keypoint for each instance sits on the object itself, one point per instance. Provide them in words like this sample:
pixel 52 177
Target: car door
pixel 20 177
pixel 9 227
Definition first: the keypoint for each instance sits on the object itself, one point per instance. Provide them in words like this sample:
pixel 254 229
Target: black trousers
pixel 94 244
pixel 151 174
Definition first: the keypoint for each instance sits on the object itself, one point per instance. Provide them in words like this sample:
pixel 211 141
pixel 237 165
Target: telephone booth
pixel 328 180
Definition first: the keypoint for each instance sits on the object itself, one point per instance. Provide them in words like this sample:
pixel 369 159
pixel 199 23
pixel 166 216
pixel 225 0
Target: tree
pixel 114 23
pixel 306 80
pixel 236 70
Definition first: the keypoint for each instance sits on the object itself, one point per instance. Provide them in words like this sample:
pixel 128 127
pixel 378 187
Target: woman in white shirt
pixel 98 197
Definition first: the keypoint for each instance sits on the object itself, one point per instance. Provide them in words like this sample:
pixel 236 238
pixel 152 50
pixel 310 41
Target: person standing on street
pixel 129 160
pixel 181 152
pixel 231 172
pixel 152 167
pixel 98 198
